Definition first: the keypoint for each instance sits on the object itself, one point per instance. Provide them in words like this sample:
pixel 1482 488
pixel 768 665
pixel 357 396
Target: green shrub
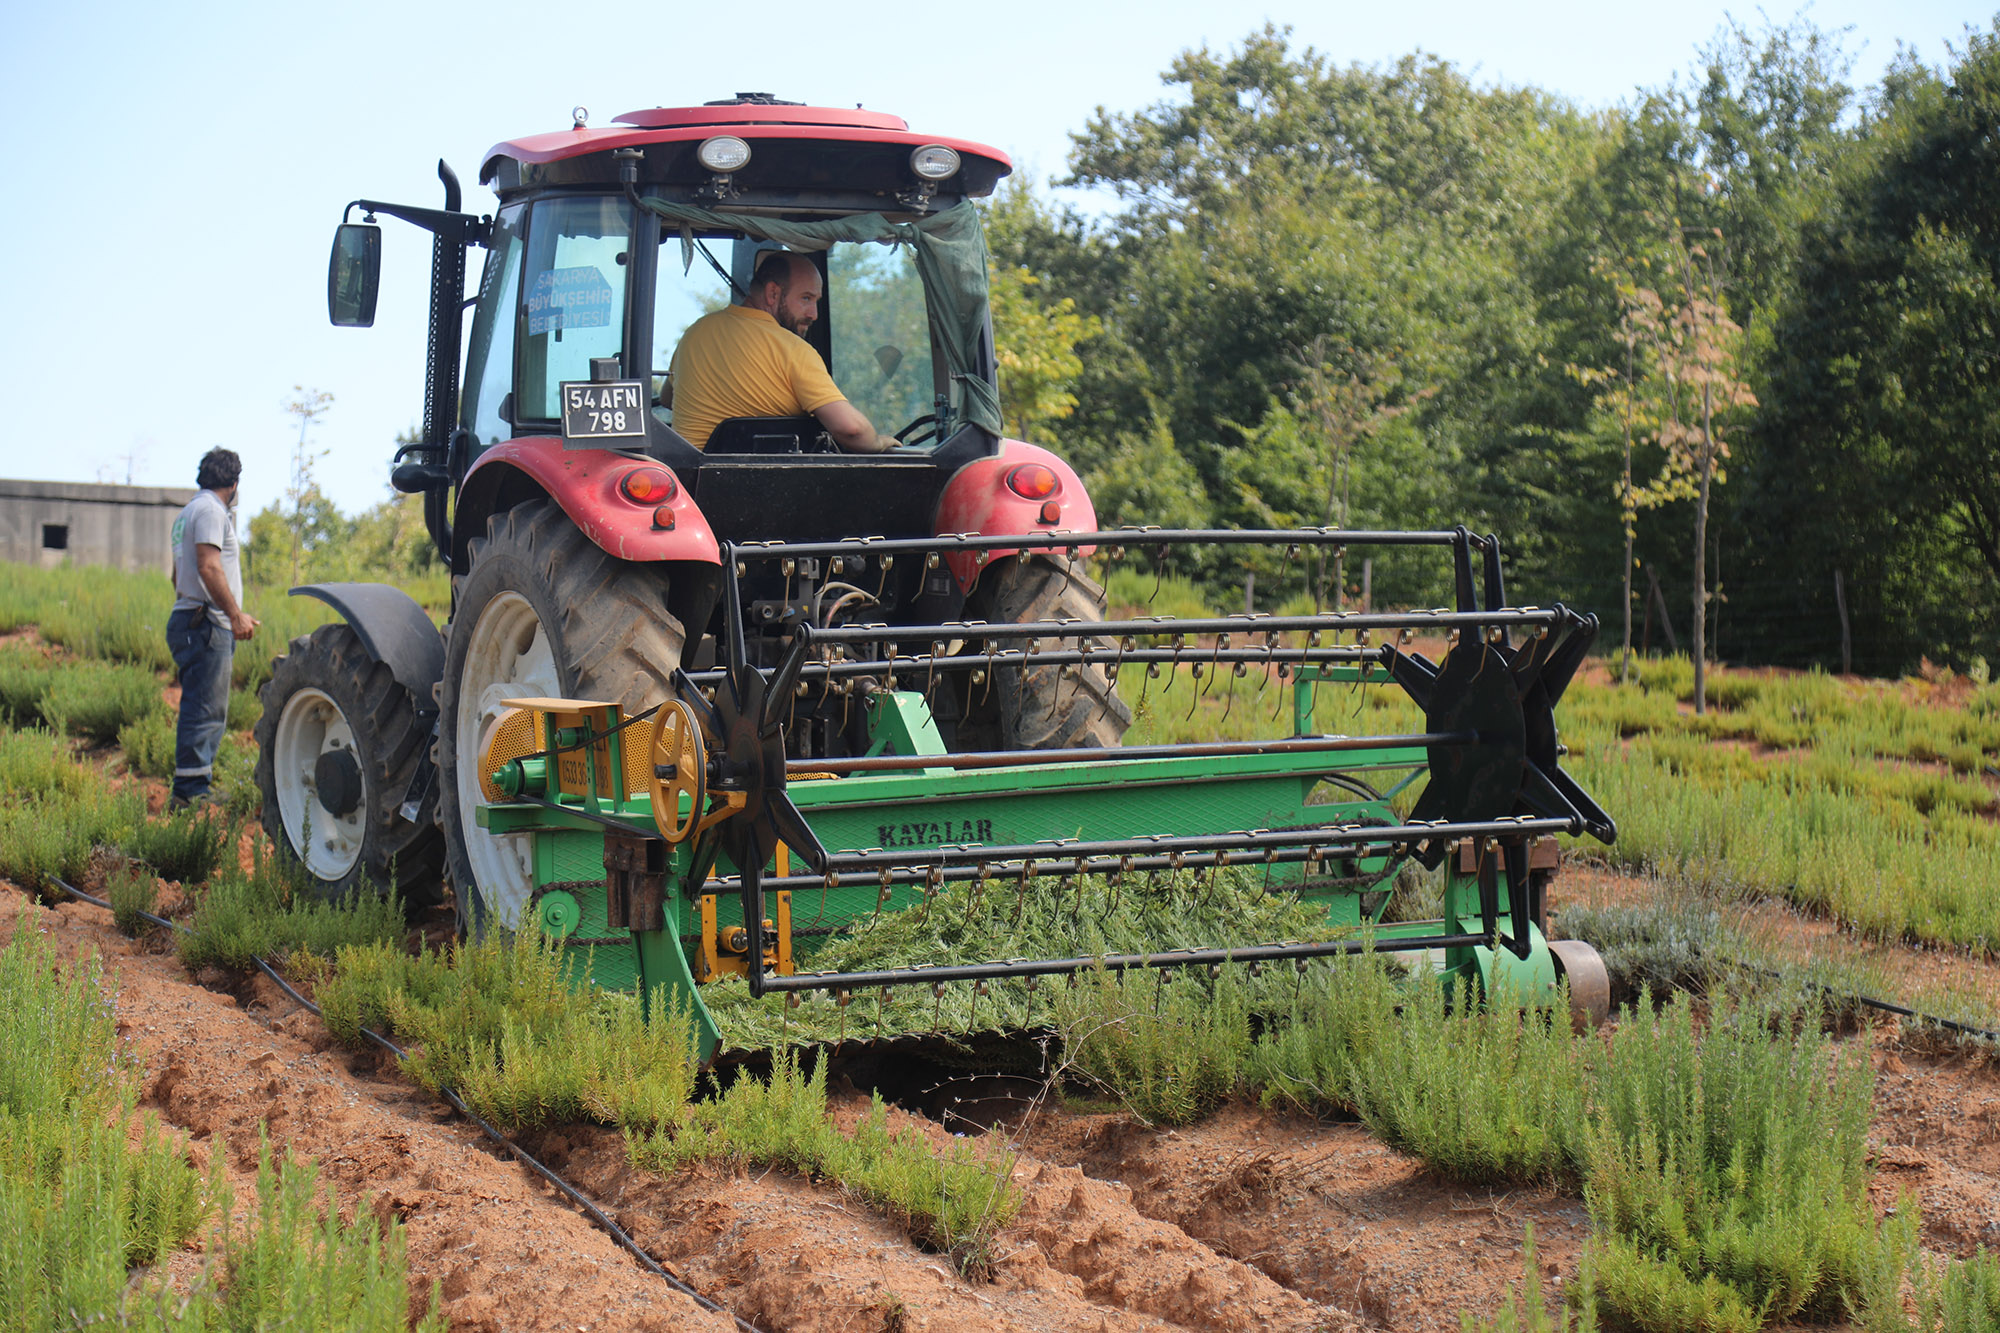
pixel 185 845
pixel 1673 944
pixel 1729 691
pixel 1524 1311
pixel 297 1263
pixel 235 782
pixel 240 919
pixel 244 709
pixel 954 1203
pixel 501 1023
pixel 1727 1173
pixel 1480 1092
pixel 54 837
pixel 1171 1050
pixel 1671 676
pixel 78 1203
pixel 37 765
pixel 133 890
pixel 94 700
pixel 1310 1059
pixel 149 743
pixel 25 673
pixel 1957 1296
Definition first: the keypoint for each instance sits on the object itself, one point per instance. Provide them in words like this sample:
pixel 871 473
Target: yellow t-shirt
pixel 737 362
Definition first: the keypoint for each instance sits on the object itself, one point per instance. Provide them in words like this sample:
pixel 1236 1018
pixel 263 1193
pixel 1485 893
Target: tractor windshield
pixel 573 304
pixel 873 328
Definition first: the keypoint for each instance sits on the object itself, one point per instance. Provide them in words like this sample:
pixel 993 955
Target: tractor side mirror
pixel 353 274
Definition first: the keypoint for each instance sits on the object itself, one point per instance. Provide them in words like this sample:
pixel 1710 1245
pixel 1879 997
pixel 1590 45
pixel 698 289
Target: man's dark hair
pixel 776 267
pixel 219 469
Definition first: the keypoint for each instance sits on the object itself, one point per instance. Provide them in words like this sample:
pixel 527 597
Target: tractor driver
pixel 752 360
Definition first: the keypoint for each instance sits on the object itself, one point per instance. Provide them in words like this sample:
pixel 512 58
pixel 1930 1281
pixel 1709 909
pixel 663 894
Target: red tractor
pixel 584 535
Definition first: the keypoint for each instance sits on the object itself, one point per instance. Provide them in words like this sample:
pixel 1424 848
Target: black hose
pixel 1870 1002
pixel 576 1196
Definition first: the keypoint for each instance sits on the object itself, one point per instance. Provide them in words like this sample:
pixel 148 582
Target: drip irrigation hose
pixel 1885 1006
pixel 520 1154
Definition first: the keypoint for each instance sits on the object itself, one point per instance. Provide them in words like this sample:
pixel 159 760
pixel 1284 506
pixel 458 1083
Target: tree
pixel 1698 350
pixel 1882 416
pixel 1036 345
pixel 310 510
pixel 1622 397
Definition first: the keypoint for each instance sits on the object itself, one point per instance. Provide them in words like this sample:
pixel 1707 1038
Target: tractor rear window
pixel 881 336
pixel 573 296
pixel 872 324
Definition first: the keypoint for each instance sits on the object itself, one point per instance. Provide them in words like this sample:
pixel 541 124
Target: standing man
pixel 207 620
pixel 752 360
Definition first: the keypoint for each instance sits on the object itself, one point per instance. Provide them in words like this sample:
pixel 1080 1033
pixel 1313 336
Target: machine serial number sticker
pixel 611 411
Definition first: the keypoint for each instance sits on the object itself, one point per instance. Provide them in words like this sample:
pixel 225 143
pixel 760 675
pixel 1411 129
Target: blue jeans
pixel 203 651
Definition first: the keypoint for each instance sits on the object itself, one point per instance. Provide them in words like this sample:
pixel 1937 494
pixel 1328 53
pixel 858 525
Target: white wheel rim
pixel 310 726
pixel 508 657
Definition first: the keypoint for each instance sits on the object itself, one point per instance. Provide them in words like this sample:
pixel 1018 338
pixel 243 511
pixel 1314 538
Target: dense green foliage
pixel 90 1207
pixel 1392 296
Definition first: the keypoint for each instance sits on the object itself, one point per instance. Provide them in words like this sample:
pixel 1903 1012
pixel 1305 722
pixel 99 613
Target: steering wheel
pixel 923 429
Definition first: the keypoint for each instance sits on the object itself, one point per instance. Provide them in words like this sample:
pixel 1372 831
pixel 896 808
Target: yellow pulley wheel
pixel 680 767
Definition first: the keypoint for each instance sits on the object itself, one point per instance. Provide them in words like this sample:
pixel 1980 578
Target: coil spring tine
pixel 987 692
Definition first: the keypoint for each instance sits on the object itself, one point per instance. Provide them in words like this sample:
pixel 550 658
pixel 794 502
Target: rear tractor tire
pixel 543 613
pixel 338 746
pixel 1045 707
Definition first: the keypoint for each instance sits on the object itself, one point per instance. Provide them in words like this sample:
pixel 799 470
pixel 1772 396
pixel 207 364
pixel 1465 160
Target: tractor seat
pixel 770 435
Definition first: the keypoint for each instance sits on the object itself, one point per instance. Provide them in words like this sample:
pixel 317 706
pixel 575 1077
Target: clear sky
pixel 176 170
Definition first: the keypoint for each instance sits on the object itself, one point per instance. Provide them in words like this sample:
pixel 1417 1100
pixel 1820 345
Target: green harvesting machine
pixel 690 843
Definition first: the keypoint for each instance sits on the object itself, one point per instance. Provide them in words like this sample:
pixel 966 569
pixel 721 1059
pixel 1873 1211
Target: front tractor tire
pixel 1045 707
pixel 338 746
pixel 542 613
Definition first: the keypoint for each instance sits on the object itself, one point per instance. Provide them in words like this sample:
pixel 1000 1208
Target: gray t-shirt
pixel 205 521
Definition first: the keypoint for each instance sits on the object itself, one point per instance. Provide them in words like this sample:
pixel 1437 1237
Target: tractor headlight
pixel 933 162
pixel 723 154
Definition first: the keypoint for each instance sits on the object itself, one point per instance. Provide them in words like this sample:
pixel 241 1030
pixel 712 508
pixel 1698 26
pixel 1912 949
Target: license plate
pixel 596 412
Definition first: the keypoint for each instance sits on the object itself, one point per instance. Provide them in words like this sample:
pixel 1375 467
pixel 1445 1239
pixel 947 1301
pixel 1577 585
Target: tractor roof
pixel 815 131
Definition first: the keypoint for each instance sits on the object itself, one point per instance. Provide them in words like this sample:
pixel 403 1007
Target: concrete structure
pixel 129 527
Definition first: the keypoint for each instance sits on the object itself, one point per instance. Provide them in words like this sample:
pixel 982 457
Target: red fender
pixel 585 482
pixel 978 499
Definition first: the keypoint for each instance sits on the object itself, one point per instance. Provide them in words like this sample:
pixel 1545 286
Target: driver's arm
pixel 851 430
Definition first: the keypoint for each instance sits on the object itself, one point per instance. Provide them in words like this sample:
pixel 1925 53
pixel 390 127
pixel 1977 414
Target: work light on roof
pixel 934 161
pixel 722 154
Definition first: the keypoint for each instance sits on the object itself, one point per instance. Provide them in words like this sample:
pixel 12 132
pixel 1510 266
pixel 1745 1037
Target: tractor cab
pixel 609 242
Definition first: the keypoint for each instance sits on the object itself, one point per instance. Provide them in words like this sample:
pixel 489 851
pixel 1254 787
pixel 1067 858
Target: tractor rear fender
pixel 392 629
pixel 588 485
pixel 982 497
